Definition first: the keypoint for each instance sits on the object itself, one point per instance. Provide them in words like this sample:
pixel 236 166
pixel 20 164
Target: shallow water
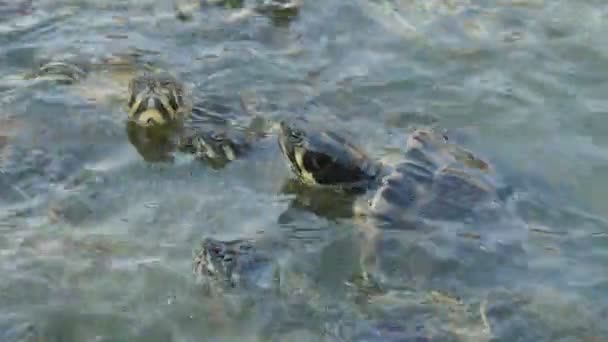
pixel 96 243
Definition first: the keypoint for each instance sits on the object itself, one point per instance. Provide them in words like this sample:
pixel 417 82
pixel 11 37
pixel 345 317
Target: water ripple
pixel 96 242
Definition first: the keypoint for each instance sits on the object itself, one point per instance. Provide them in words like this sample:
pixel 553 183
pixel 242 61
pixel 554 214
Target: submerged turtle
pixel 261 279
pixel 280 12
pixel 162 117
pixel 321 157
pixel 249 277
pixel 434 179
pixel 224 265
pixel 32 158
pixel 431 171
pixel 325 163
pixel 98 79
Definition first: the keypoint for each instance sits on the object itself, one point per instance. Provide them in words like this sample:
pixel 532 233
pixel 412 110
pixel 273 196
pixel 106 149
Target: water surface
pixel 96 242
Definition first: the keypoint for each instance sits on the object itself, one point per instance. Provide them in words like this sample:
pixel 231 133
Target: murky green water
pixel 96 243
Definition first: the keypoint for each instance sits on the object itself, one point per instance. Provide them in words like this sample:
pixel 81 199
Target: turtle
pixel 221 265
pixel 32 161
pixel 280 12
pixel 102 80
pixel 322 158
pixel 263 278
pixel 244 273
pixel 316 183
pixel 99 79
pixel 207 128
pixel 162 117
pixel 433 180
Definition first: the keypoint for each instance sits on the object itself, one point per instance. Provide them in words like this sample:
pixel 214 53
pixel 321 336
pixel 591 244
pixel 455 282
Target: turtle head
pixel 223 265
pixel 322 157
pixel 155 99
pixel 216 262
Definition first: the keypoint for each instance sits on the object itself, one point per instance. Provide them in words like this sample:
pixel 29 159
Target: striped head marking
pixel 155 99
pixel 322 157
pixel 217 261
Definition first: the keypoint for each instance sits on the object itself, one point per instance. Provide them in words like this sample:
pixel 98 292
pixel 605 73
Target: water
pixel 97 242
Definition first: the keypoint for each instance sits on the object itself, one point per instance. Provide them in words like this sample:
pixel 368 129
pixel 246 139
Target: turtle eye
pixel 296 134
pixel 217 136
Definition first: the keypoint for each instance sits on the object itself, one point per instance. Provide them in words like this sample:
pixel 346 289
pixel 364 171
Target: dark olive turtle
pixel 324 163
pixel 158 102
pixel 275 283
pixel 321 157
pixel 156 99
pixel 161 115
pixel 433 180
pixel 432 171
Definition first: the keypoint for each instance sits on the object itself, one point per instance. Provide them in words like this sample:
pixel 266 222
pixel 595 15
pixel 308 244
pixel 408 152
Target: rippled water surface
pixel 96 241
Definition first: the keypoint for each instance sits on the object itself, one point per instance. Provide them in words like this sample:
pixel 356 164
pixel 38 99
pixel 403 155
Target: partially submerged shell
pixel 62 72
pixel 456 194
pixel 98 79
pixel 436 180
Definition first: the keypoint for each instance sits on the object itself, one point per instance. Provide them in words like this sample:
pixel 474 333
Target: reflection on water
pixel 99 219
pixel 327 203
pixel 154 144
